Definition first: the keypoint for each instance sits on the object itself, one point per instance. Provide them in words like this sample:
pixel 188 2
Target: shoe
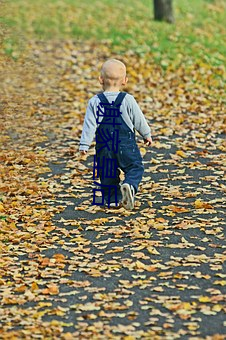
pixel 128 193
pixel 113 205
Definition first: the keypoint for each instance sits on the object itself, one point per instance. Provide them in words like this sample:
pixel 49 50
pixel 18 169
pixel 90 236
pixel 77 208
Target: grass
pixel 197 33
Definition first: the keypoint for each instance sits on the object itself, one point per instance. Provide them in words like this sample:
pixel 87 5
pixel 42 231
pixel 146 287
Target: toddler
pixel 113 116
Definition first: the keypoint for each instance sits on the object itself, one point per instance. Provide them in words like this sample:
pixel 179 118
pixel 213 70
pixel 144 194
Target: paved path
pixel 156 271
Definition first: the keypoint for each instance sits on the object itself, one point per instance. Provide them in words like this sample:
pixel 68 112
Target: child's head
pixel 113 75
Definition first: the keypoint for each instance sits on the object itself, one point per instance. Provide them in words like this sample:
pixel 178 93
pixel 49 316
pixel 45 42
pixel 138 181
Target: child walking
pixel 113 116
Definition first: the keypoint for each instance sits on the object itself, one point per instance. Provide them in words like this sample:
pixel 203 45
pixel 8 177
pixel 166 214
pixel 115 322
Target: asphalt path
pixel 154 273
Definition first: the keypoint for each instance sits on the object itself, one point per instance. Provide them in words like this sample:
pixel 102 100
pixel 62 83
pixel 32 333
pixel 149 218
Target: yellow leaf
pixel 78 239
pixel 222 282
pixel 53 289
pixel 55 323
pixel 140 265
pixel 157 289
pixel 12 225
pixel 34 286
pixel 199 204
pixel 100 221
pixel 187 306
pixel 115 250
pixel 68 336
pixel 143 151
pixel 204 299
pixel 20 289
pixel 44 304
pixel 160 227
pixel 153 251
pixel 192 326
pixel 155 161
pixel 217 308
pixel 59 257
pixel 1 208
pixel 181 154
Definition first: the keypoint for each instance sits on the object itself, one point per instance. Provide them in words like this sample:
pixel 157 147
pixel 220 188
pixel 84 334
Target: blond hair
pixel 113 71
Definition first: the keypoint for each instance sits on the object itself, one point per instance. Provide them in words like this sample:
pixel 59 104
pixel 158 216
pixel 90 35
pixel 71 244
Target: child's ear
pixel 125 81
pixel 101 80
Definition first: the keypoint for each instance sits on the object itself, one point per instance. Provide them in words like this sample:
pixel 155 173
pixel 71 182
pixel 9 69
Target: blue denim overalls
pixel 122 148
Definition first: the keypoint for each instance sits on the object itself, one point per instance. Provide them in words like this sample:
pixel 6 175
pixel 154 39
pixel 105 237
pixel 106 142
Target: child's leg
pixel 130 161
pixel 112 185
pixel 109 179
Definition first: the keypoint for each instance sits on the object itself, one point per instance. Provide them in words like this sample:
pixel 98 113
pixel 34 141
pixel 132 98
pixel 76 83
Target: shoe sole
pixel 127 196
pixel 115 207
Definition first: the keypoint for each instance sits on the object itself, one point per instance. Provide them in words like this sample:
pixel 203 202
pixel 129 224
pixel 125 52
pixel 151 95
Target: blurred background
pixel 194 29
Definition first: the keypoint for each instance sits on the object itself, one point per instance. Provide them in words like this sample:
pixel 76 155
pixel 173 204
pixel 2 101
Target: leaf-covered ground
pixel 71 270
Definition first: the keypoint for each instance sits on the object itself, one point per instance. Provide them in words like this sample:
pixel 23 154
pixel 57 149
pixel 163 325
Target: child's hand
pixel 83 152
pixel 148 141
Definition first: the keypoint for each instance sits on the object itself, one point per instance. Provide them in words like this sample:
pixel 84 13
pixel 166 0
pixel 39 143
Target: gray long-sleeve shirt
pixel 131 114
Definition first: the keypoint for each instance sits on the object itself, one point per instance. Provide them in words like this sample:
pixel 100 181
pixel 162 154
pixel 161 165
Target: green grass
pixel 198 30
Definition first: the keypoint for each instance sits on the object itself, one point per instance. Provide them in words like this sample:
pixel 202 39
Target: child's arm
pixel 140 123
pixel 88 130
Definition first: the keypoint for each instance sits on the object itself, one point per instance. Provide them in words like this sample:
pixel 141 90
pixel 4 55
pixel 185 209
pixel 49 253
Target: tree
pixel 163 10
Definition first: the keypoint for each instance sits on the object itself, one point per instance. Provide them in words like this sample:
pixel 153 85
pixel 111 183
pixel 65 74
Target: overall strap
pixel 118 100
pixel 102 98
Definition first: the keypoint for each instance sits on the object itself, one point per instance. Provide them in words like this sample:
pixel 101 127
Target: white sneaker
pixel 113 205
pixel 128 193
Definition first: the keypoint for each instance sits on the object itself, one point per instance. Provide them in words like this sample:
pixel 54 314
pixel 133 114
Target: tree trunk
pixel 163 10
